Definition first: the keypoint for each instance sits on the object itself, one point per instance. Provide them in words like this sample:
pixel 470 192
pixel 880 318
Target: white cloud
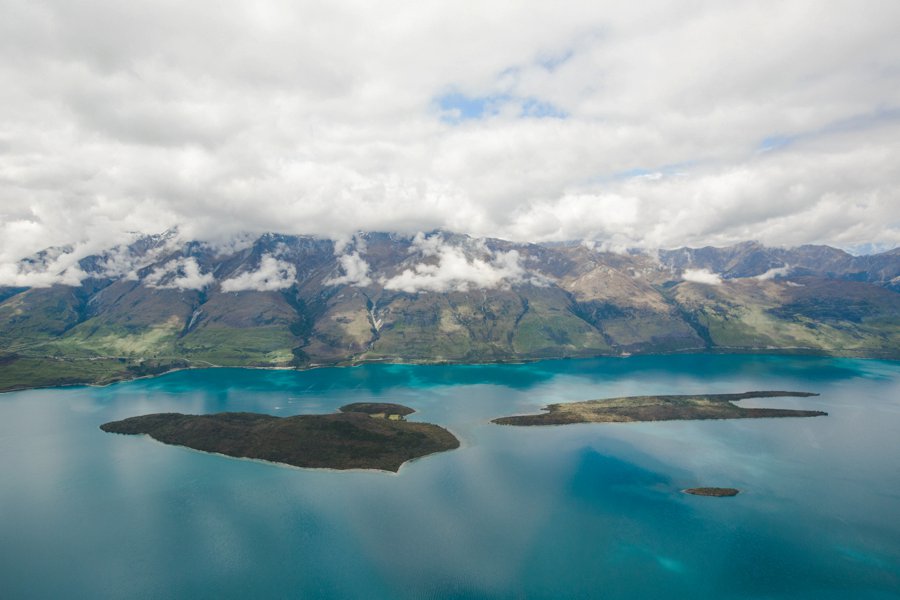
pixel 349 250
pixel 707 124
pixel 124 261
pixel 356 271
pixel 118 262
pixel 343 242
pixel 701 276
pixel 272 275
pixel 774 272
pixel 453 270
pixel 179 274
pixel 53 268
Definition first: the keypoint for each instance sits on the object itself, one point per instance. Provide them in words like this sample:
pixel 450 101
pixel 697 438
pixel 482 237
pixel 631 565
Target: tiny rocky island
pixel 360 436
pixel 660 408
pixel 715 492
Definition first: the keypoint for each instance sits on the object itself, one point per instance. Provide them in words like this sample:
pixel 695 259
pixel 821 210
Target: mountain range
pixel 160 303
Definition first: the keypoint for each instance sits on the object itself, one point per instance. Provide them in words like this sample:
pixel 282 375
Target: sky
pixel 635 124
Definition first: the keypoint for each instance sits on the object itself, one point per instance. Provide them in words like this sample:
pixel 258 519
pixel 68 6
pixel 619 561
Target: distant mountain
pixel 751 259
pixel 299 301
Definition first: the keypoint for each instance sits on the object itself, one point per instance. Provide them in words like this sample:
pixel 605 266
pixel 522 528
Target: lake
pixel 577 511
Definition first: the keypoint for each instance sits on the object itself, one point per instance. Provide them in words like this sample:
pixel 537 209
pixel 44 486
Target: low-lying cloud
pixel 701 276
pixel 356 271
pixel 774 272
pixel 452 268
pixel 55 266
pixel 272 275
pixel 179 274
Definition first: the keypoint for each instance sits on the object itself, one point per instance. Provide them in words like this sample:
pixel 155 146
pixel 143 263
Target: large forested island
pixel 361 436
pixel 660 408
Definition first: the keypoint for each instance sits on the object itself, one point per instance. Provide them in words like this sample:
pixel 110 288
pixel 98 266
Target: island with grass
pixel 382 410
pixel 660 408
pixel 360 436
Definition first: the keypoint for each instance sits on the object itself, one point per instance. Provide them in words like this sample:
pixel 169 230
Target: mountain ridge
pixel 300 301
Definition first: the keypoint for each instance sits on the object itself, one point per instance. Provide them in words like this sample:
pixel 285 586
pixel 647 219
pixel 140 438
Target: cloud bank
pixel 55 266
pixel 451 269
pixel 774 272
pixel 356 271
pixel 272 275
pixel 704 276
pixel 635 124
pixel 179 274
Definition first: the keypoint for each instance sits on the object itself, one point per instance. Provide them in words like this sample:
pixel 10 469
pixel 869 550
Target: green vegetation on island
pixel 660 408
pixel 351 439
pixel 715 492
pixel 383 410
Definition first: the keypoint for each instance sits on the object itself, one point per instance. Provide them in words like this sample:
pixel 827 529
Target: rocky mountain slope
pixel 297 301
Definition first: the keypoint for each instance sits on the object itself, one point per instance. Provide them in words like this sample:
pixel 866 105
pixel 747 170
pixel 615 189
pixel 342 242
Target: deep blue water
pixel 581 511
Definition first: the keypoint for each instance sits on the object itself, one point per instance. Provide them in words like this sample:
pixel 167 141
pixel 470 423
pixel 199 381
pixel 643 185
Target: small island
pixel 361 436
pixel 716 492
pixel 380 410
pixel 660 408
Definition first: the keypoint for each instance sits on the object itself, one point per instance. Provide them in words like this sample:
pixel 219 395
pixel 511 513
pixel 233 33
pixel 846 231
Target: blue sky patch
pixel 551 63
pixel 854 123
pixel 460 107
pixel 661 171
pixel 775 142
pixel 456 107
pixel 532 107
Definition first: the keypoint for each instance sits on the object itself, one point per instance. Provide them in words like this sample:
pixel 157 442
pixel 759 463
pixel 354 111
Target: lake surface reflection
pixel 581 511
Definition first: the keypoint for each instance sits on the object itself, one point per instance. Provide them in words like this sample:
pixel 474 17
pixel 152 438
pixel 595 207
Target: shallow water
pixel 581 511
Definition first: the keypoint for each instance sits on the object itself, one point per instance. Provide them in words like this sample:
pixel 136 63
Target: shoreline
pixel 282 465
pixel 425 363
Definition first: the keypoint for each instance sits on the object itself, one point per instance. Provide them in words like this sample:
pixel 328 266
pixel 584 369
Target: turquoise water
pixel 582 511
